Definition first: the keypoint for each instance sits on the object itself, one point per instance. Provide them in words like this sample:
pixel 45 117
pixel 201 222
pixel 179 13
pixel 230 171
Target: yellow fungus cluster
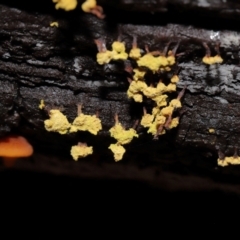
pixel 235 160
pixel 156 63
pixel 66 5
pixel 122 136
pixel 58 122
pixel 90 6
pixel 54 24
pixel 118 151
pixel 118 52
pixel 212 60
pixel 135 53
pixel 80 151
pixel 161 117
pixel 88 123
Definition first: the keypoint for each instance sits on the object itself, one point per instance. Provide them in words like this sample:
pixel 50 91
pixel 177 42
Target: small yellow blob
pixel 212 60
pixel 229 161
pixel 175 103
pixel 150 92
pixel 57 122
pixel 161 100
pixel 118 151
pixel 218 59
pixel 171 87
pixel 162 61
pixel 153 129
pixel 88 123
pixel 149 61
pixel 88 5
pixel 54 24
pixel 104 57
pixel 222 162
pixel 138 74
pixel 136 87
pixel 211 130
pixel 121 135
pixel 147 120
pixel 137 97
pixel 155 111
pixel 118 52
pixel 135 53
pixel 175 79
pixel 174 123
pixel 80 151
pixel 166 111
pixel 42 104
pixel 67 5
pixel 160 120
pixel 118 46
pixel 171 60
pixel 161 87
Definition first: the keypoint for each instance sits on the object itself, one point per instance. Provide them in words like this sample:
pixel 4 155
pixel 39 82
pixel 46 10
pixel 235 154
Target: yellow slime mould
pixel 235 160
pixel 160 120
pixel 67 5
pixel 135 53
pixel 161 87
pixel 171 60
pixel 120 134
pixel 86 123
pixel 212 60
pixel 138 97
pixel 118 52
pixel 162 61
pixel 150 92
pixel 80 151
pixel 166 111
pixel 138 74
pixel 42 104
pixel 211 130
pixel 155 111
pixel 175 103
pixel 104 57
pixel 154 129
pixel 88 5
pixel 175 79
pixel 54 24
pixel 57 122
pixel 160 100
pixel 118 151
pixel 136 87
pixel 171 87
pixel 174 123
pixel 147 119
pixel 149 61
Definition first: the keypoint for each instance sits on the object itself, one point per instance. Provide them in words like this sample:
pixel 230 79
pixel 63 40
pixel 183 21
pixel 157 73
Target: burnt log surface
pixel 59 65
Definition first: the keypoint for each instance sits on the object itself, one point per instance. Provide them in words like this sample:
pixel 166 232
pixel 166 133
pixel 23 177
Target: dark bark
pixel 59 65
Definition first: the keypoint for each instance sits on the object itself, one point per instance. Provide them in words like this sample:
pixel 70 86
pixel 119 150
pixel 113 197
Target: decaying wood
pixel 59 65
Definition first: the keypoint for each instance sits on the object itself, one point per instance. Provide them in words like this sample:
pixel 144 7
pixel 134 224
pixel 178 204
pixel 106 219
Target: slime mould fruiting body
pixel 80 151
pixel 122 136
pixel 89 6
pixel 58 122
pixel 163 109
pixel 226 161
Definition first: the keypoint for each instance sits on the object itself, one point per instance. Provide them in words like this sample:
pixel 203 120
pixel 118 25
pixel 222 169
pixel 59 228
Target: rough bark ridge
pixel 59 65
